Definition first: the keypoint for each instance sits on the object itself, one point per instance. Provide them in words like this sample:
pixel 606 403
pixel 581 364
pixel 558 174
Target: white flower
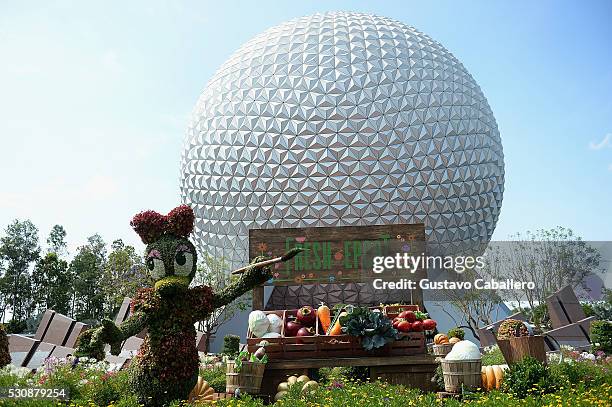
pixel 589 356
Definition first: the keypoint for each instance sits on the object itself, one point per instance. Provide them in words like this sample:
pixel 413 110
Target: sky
pixel 95 98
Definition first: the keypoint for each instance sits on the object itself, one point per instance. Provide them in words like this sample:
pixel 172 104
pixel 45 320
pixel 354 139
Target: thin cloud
pixel 606 142
pixel 610 167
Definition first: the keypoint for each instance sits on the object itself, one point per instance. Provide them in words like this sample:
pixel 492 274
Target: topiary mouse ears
pixel 151 225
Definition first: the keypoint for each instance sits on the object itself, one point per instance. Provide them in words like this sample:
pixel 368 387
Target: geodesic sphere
pixel 341 119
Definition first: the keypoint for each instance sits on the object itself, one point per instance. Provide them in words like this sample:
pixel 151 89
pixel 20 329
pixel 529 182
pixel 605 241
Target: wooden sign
pixel 336 254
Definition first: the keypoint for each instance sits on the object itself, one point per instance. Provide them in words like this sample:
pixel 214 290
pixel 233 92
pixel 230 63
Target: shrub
pixel 231 345
pixel 528 377
pixel 586 373
pixel 456 333
pixel 15 327
pixel 5 356
pixel 601 336
pixel 215 376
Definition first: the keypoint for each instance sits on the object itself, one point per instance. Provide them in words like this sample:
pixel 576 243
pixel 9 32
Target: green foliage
pixel 15 326
pixel 456 333
pixel 19 248
pixel 231 345
pixel 215 376
pixel 528 377
pixel 601 310
pixel 601 336
pixel 123 274
pixel 56 241
pixel 330 375
pixel 582 384
pixel 87 267
pixel 374 329
pixel 585 373
pixel 493 356
pixel 5 356
pixel 52 284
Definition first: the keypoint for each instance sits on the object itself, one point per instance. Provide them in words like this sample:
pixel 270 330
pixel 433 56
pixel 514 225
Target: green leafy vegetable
pixel 374 329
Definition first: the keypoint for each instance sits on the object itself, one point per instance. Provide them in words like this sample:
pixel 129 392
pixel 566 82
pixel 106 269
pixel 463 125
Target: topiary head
pixel 170 257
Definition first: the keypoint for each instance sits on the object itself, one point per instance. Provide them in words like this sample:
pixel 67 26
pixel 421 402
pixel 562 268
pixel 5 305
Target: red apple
pixel 306 316
pixel 417 326
pixel 292 328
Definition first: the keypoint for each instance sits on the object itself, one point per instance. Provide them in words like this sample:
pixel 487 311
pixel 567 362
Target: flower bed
pixel 581 380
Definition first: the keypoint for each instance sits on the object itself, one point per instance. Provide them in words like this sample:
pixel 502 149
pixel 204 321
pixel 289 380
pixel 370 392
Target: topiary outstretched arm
pixel 91 342
pixel 247 281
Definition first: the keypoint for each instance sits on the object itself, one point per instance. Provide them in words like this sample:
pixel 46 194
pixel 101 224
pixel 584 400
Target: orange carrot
pixel 337 329
pixel 324 316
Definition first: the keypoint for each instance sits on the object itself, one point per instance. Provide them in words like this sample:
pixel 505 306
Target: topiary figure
pixel 512 328
pixel 5 356
pixel 166 366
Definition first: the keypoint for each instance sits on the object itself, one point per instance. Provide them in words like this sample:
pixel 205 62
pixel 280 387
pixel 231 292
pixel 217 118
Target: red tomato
pixel 417 326
pixel 409 316
pixel 429 324
pixel 404 326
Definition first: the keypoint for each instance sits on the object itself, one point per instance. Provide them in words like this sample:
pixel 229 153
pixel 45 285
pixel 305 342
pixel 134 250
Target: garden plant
pixel 166 367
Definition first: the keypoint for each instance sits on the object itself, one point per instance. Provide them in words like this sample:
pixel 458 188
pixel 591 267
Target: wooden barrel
pixel 461 373
pixel 443 349
pixel 248 379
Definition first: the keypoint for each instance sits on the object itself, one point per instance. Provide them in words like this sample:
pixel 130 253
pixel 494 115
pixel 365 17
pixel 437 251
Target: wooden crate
pixel 410 343
pixel 392 311
pixel 323 346
pixel 286 347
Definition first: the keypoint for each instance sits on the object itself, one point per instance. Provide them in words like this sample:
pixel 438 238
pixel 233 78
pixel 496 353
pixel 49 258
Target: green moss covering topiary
pixel 5 356
pixel 166 366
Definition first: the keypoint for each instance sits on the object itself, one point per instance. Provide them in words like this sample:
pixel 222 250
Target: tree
pixel 56 241
pixel 214 273
pixel 87 267
pixel 551 259
pixel 124 273
pixel 476 308
pixel 18 249
pixel 52 284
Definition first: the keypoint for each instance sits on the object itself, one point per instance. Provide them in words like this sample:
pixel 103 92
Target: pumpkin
pixel 492 376
pixel 201 392
pixel 454 340
pixel 440 339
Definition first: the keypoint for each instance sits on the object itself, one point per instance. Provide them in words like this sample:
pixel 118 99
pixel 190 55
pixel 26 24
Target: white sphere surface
pixel 341 119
